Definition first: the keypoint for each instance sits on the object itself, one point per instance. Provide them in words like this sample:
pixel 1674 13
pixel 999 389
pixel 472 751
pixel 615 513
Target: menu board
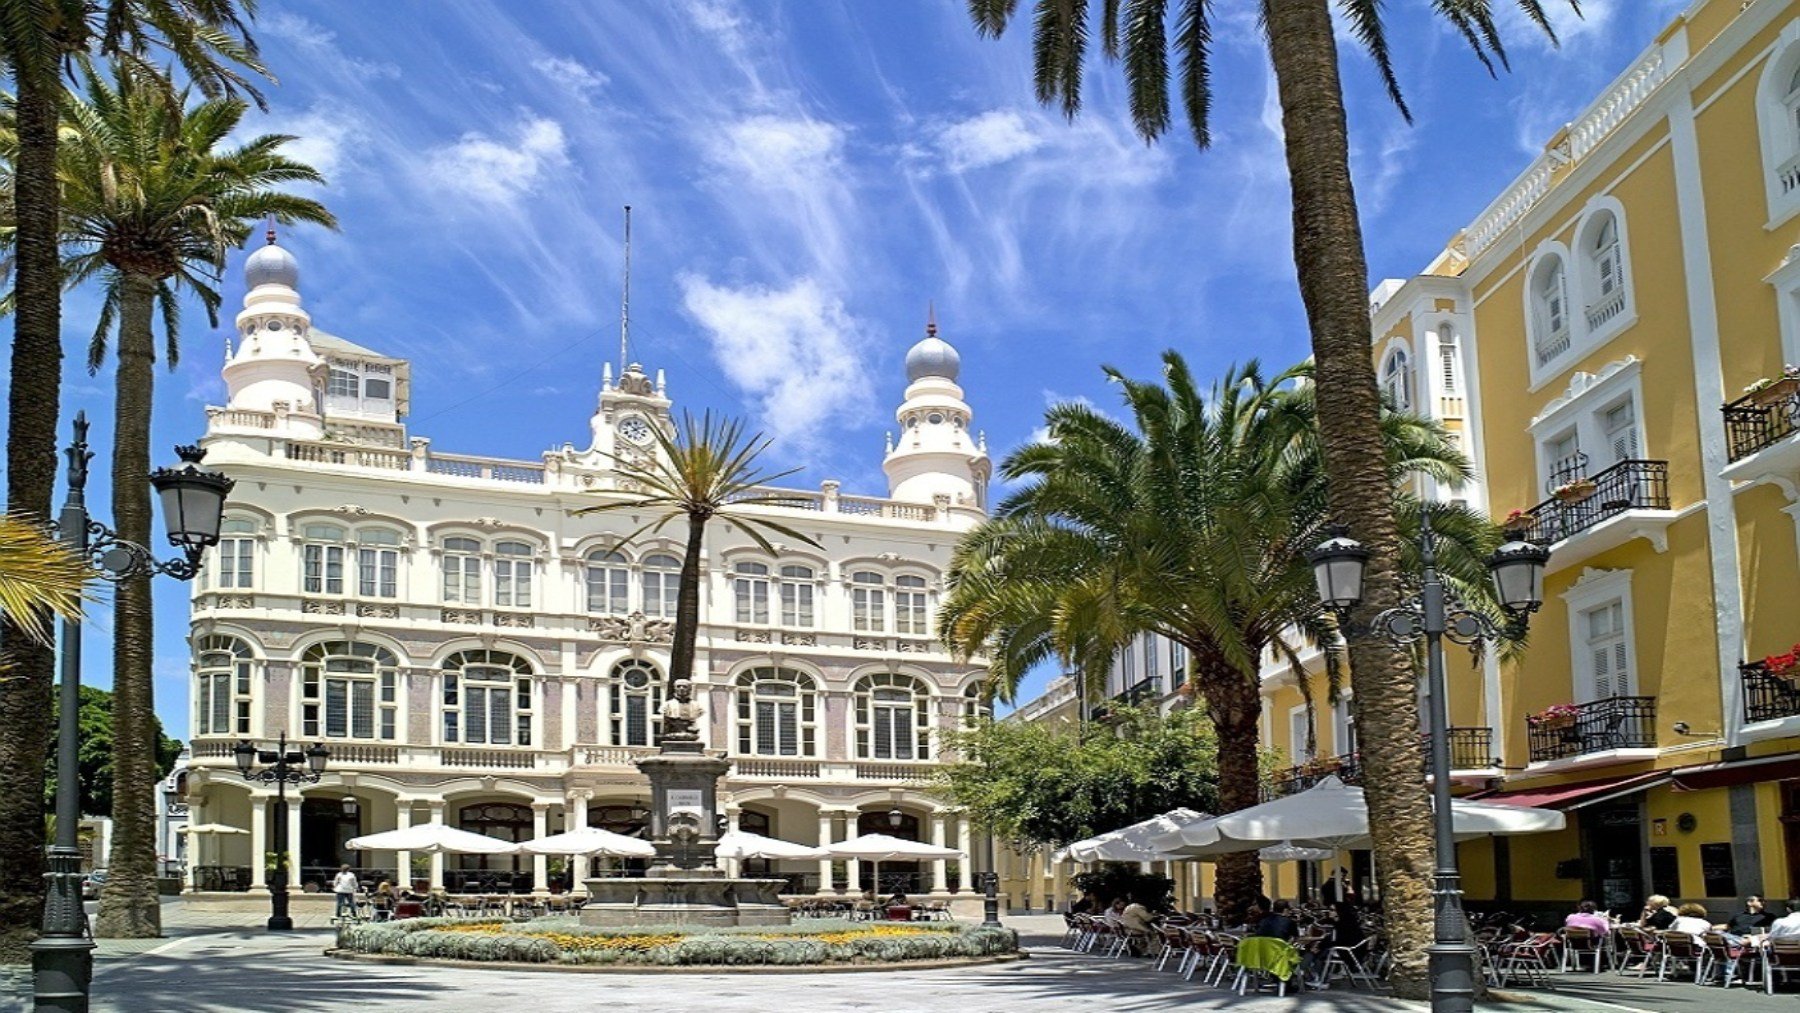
pixel 1717 871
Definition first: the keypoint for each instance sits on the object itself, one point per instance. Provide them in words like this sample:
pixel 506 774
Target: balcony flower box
pixel 1516 525
pixel 1575 490
pixel 1772 390
pixel 1562 716
pixel 1785 667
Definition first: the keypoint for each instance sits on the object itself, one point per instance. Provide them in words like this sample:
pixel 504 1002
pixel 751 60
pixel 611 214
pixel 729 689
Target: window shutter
pixel 637 721
pixel 500 707
pixel 765 727
pixel 1603 672
pixel 903 733
pixel 337 708
pixel 1621 669
pixel 221 703
pixel 884 734
pixel 475 716
pixel 362 709
pixel 789 730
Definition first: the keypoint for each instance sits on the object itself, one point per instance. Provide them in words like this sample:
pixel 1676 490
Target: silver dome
pixel 932 357
pixel 272 265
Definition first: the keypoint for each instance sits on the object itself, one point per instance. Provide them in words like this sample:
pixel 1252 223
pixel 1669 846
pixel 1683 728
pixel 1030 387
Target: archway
pixel 896 876
pixel 506 821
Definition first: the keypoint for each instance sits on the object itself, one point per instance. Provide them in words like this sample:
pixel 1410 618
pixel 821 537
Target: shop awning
pixel 1730 772
pixel 1576 796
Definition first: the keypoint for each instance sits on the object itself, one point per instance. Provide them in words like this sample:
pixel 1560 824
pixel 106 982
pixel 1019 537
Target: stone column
pixel 824 839
pixel 190 855
pixel 1037 863
pixel 578 865
pixel 1058 886
pixel 437 857
pixel 965 869
pixel 940 882
pixel 540 864
pixel 293 843
pixel 259 841
pixel 733 866
pixel 403 859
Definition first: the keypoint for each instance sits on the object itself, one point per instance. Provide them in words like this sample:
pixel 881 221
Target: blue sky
pixel 806 176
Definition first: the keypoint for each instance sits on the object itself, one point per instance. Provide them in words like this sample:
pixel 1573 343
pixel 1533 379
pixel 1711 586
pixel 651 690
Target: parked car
pixel 91 884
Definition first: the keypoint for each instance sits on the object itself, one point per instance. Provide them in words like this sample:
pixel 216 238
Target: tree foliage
pixel 1052 783
pixel 95 760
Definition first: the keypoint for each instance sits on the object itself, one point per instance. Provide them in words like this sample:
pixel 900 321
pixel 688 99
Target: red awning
pixel 1726 774
pixel 1575 796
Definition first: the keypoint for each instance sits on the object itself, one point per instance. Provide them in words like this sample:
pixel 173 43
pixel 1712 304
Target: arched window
pixel 912 605
pixel 1605 271
pixel 608 583
pixel 1550 304
pixel 512 575
pixel 893 714
pixel 348 691
pixel 487 698
pixel 377 563
pixel 462 571
pixel 750 588
pixel 662 585
pixel 777 712
pixel 976 704
pixel 797 584
pixel 234 560
pixel 636 703
pixel 1449 369
pixel 1396 380
pixel 223 668
pixel 322 558
pixel 868 602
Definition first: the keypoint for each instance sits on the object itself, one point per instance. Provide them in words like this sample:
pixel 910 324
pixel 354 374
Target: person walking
pixel 345 886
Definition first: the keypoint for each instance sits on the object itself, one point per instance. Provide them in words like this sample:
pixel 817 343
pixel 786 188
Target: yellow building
pixel 1581 337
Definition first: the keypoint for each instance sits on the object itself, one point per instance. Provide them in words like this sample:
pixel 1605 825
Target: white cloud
pixel 321 45
pixel 774 150
pixel 326 137
pixel 572 74
pixel 498 172
pixel 993 137
pixel 793 351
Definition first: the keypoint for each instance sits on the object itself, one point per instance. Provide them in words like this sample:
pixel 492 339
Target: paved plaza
pixel 217 960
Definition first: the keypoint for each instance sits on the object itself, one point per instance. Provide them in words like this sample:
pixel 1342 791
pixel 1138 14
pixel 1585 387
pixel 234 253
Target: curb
pixel 494 965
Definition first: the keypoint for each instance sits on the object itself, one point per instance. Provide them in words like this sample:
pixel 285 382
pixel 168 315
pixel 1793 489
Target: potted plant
pixel 1785 667
pixel 1574 490
pixel 1516 525
pixel 1554 718
pixel 1774 389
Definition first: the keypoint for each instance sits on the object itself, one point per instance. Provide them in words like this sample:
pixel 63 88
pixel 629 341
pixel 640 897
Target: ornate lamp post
pixel 62 958
pixel 1432 615
pixel 281 767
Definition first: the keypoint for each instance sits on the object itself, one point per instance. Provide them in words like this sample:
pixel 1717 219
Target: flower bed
pixel 564 941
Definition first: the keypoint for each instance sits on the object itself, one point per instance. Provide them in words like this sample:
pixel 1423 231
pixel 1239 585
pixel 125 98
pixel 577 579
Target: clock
pixel 635 429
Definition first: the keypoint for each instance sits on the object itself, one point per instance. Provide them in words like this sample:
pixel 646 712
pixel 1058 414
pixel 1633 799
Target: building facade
pixel 472 652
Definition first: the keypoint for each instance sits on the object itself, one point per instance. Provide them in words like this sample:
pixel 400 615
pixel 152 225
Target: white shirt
pixel 345 883
pixel 1788 925
pixel 1695 927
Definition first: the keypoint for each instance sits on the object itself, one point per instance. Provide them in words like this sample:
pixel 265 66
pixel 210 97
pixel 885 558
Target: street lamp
pixel 1434 613
pixel 62 957
pixel 281 767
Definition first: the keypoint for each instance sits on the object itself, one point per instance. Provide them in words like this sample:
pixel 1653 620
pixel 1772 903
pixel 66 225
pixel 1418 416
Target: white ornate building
pixel 471 652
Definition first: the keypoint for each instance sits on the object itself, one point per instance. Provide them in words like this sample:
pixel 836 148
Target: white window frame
pixel 1343 726
pixel 660 585
pixel 382 679
pixel 1397 376
pixel 379 562
pixel 877 703
pixel 752 699
pixel 1595 590
pixel 621 696
pixel 1590 335
pixel 750 587
pixel 1449 361
pixel 325 560
pixel 1297 728
pixel 868 602
pixel 1778 127
pixel 912 605
pixel 1539 332
pixel 1582 408
pixel 222 660
pixel 515 567
pixel 798 585
pixel 461 565
pixel 611 573
pixel 502 674
pixel 235 557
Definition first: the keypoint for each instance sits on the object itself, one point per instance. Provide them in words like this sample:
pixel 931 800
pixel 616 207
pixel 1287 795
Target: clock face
pixel 635 429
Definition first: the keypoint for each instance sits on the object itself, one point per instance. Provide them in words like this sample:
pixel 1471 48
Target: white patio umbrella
pixel 432 838
pixel 1332 815
pixel 880 848
pixel 739 844
pixel 1288 851
pixel 1129 844
pixel 211 828
pixel 590 841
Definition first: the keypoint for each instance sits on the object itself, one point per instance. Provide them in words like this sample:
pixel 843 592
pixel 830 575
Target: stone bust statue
pixel 681 714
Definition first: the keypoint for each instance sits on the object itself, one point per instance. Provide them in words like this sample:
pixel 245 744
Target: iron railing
pixel 1618 722
pixel 1628 485
pixel 1470 749
pixel 1768 697
pixel 1758 420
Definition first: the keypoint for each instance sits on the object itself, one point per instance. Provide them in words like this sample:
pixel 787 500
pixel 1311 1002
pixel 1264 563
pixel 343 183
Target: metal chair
pixel 1351 962
pixel 1681 948
pixel 1175 944
pixel 1579 944
pixel 1723 956
pixel 1780 958
pixel 1641 944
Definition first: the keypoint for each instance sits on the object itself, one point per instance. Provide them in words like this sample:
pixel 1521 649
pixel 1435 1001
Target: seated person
pixel 1085 905
pixel 1658 914
pixel 1135 917
pixel 1587 916
pixel 1751 921
pixel 1345 929
pixel 898 899
pixel 1277 924
pixel 1787 925
pixel 1691 918
pixel 384 899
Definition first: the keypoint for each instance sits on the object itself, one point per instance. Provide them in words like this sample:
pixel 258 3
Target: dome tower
pixel 936 455
pixel 273 367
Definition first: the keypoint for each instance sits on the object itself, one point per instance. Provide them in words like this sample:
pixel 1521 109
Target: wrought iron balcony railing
pixel 1628 485
pixel 1470 749
pixel 1759 420
pixel 1617 722
pixel 1768 697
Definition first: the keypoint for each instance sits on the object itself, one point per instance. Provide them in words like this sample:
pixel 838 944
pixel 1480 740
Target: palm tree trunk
pixel 1334 280
pixel 129 908
pixel 687 605
pixel 36 379
pixel 1234 703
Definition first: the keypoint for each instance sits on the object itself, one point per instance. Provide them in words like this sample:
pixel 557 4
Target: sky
pixel 807 177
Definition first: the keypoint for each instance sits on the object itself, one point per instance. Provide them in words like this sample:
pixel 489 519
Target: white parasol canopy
pixel 1129 844
pixel 883 848
pixel 432 838
pixel 590 841
pixel 738 844
pixel 1332 815
pixel 211 828
pixel 1288 851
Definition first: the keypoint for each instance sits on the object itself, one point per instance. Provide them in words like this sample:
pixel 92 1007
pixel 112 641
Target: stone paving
pixel 216 958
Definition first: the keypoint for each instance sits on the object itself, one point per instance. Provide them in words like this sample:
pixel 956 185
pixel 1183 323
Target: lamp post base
pixel 62 957
pixel 990 901
pixel 1452 977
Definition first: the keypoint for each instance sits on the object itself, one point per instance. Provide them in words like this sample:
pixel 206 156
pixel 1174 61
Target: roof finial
pixel 931 318
pixel 270 234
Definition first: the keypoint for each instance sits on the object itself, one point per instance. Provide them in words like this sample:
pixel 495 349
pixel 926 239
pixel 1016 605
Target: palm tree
pixel 38 575
pixel 1334 277
pixel 1189 523
pixel 38 41
pixel 152 200
pixel 704 470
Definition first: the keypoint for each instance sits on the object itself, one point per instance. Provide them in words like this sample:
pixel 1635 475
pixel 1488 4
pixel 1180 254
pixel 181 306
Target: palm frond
pixel 39 576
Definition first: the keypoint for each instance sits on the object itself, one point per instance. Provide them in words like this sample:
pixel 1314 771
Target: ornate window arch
pixel 1548 298
pixel 1605 268
pixel 224 678
pixel 322 560
pixel 1778 124
pixel 1449 361
pixel 378 562
pixel 1396 378
pixel 608 583
pixel 487 698
pixel 661 585
pixel 976 704
pixel 348 690
pixel 893 717
pixel 777 713
pixel 635 698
